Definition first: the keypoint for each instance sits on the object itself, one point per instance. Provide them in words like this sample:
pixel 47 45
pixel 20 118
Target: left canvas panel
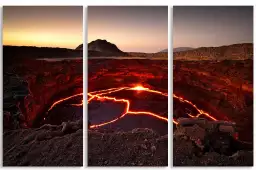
pixel 42 86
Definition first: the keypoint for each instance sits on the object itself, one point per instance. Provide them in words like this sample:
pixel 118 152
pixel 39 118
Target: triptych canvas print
pixel 122 110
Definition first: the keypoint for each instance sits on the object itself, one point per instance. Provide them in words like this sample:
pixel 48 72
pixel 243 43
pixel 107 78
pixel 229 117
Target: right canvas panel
pixel 213 85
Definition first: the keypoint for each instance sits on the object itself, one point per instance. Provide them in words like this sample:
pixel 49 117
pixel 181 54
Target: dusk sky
pixel 47 26
pixel 197 26
pixel 132 29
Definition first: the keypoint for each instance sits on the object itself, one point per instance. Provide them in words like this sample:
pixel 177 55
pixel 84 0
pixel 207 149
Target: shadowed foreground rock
pixel 49 145
pixel 187 153
pixel 139 147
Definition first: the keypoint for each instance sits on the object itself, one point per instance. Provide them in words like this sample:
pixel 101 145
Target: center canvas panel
pixel 127 86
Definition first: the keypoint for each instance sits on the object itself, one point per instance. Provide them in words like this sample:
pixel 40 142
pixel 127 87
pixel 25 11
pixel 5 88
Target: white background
pixel 86 3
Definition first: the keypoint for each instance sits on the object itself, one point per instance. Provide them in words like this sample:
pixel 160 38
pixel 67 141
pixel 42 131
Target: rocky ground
pixel 139 147
pixel 188 152
pixel 49 145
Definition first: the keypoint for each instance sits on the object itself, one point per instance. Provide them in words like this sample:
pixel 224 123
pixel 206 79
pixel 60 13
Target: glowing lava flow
pixel 99 95
pixel 65 99
pixel 102 96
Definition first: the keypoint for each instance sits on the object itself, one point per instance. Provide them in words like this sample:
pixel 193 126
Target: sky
pixel 43 26
pixel 131 28
pixel 200 26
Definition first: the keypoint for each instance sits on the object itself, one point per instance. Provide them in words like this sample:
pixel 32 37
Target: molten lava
pixel 139 88
pixel 101 95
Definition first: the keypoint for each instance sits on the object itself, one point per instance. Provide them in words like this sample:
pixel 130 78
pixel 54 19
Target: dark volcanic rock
pixel 104 48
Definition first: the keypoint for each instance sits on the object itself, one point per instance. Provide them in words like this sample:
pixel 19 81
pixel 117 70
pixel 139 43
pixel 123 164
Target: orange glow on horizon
pixel 42 39
pixel 43 26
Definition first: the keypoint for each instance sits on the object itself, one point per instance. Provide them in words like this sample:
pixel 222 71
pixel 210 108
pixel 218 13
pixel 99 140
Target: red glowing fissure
pixel 102 96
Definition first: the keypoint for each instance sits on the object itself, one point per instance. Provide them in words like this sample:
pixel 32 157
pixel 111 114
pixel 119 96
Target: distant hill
pixel 80 47
pixel 230 52
pixel 182 49
pixel 104 48
pixel 163 51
